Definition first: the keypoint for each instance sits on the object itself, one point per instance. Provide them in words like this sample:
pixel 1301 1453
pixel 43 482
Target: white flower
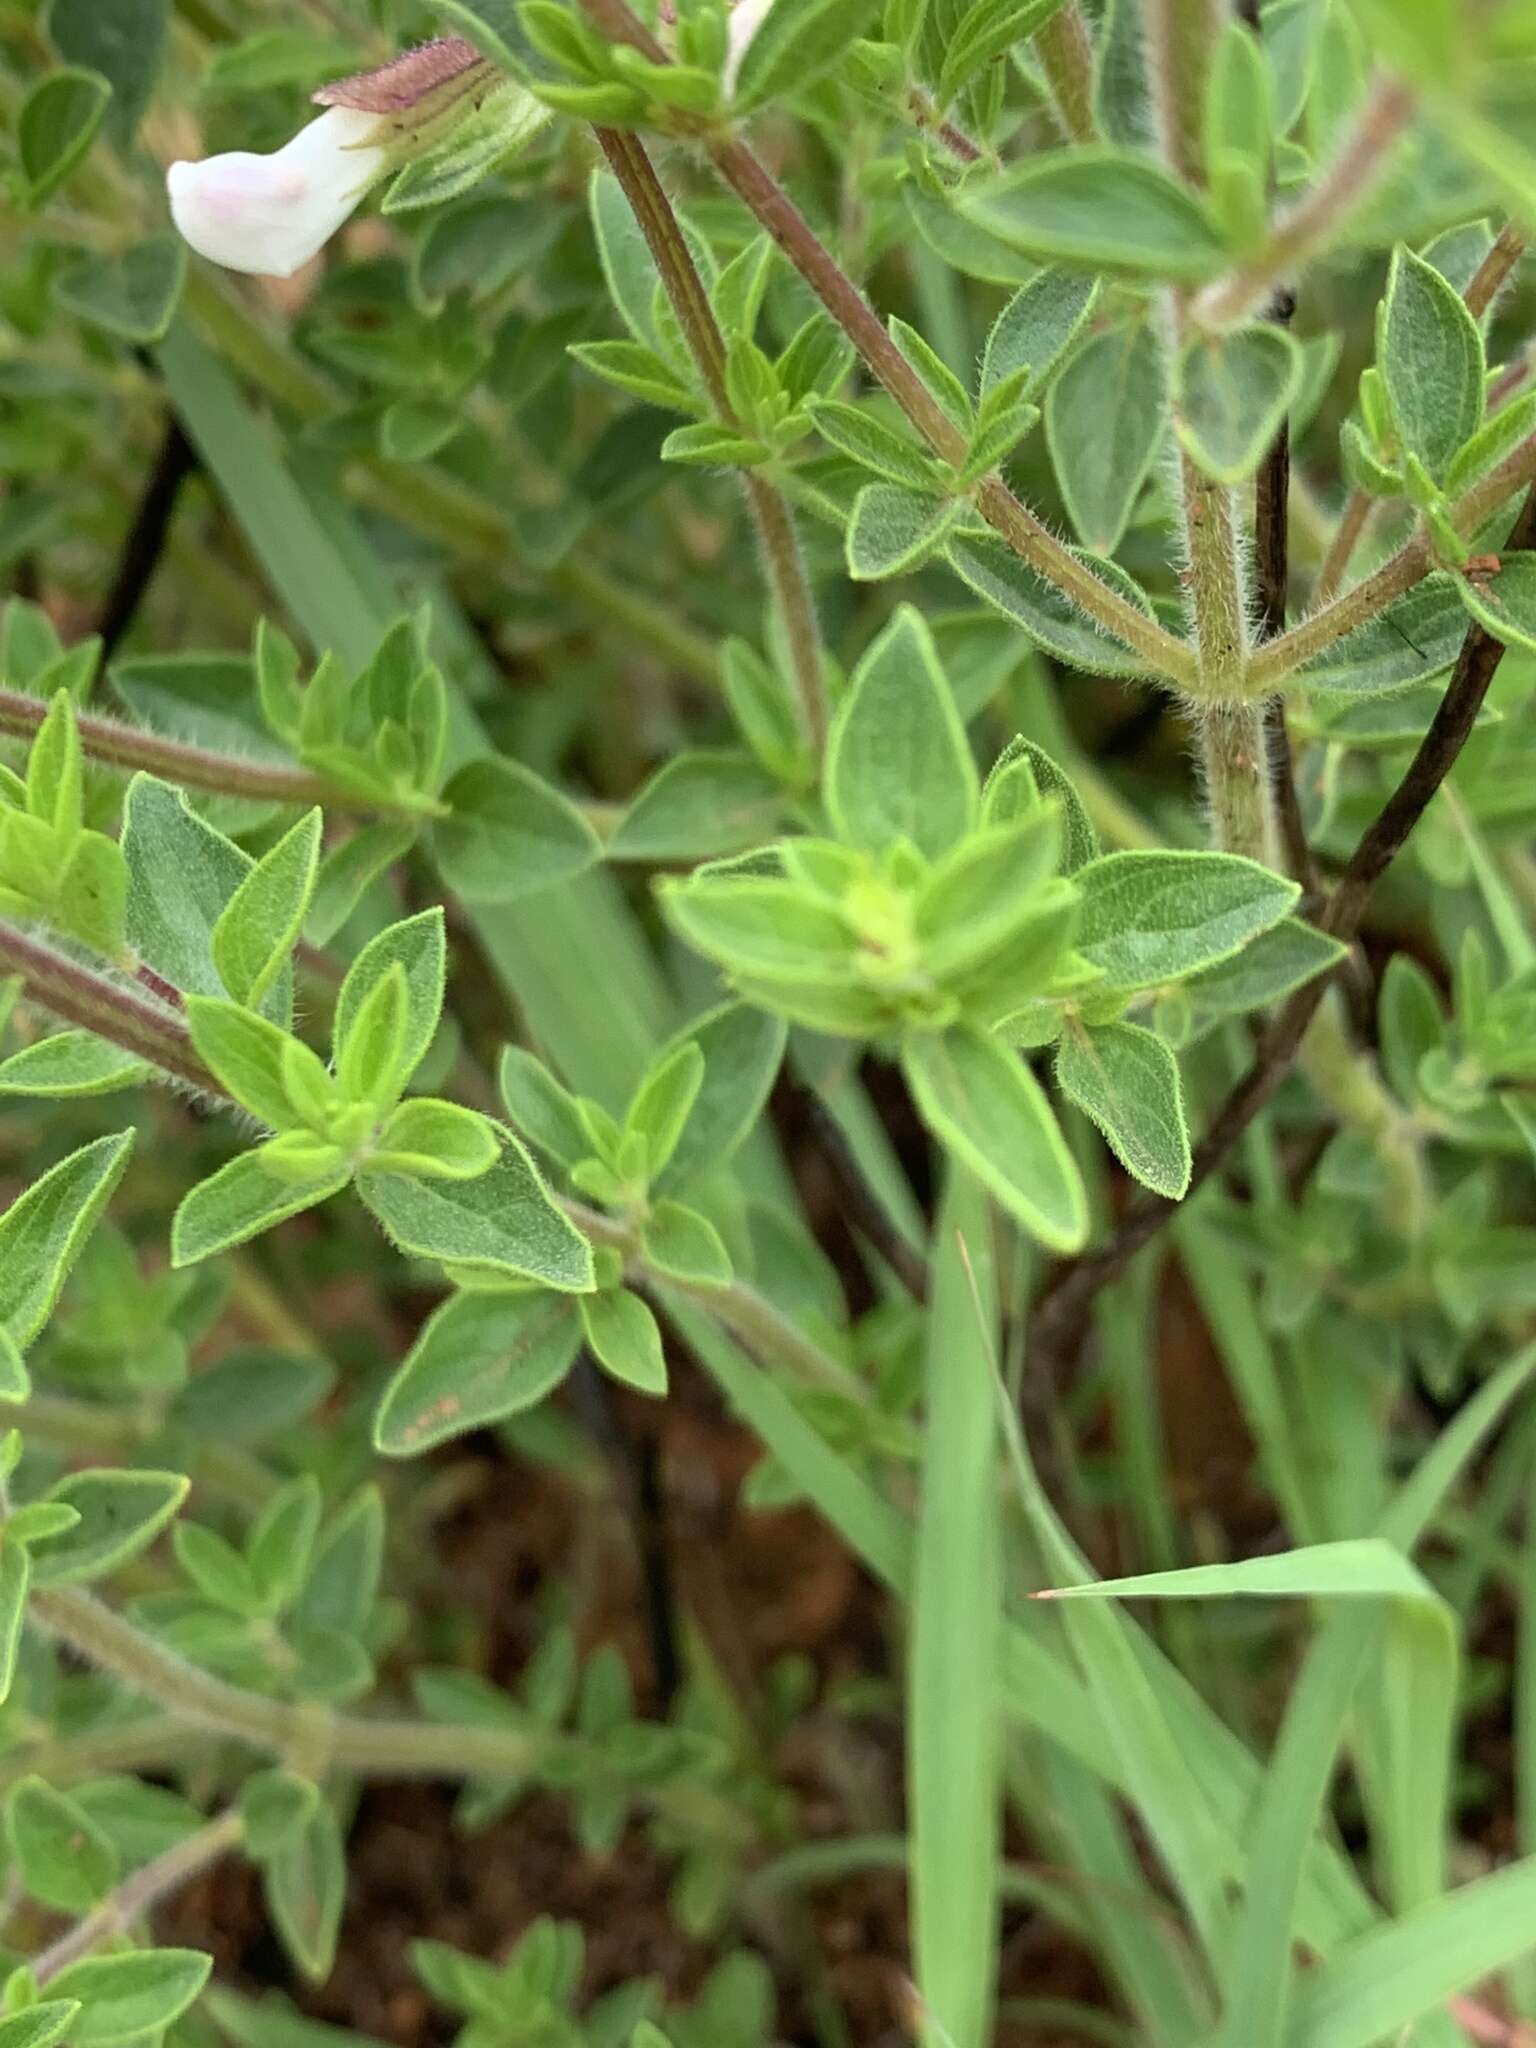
pixel 743 23
pixel 270 214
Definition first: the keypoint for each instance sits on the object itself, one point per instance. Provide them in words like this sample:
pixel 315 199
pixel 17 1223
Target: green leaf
pixel 663 1102
pixel 795 42
pixel 1285 957
pixel 181 874
pixel 986 31
pixel 55 769
pixel 987 565
pixel 763 928
pixel 439 1139
pixel 1415 639
pixel 479 1358
pixel 1430 353
pixel 1036 327
pixel 1505 603
pixel 1104 209
pixel 509 833
pixel 122 39
pixel 1494 439
pixel 623 1337
pixel 1155 917
pixel 240 1201
pixel 984 1105
pixel 1104 423
pixel 121 1513
pixel 683 1245
pixel 1377 1985
pixel 246 1055
pixel 543 1111
pixel 637 370
pixel 370 1055
pixel 43 1231
pixel 15 1583
pixel 259 926
pixel 70 1064
pixel 742 1049
pixel 1127 1081
pixel 502 1221
pixel 218 1571
pixel 698 805
pixel 133 295
pixel 892 530
pixel 866 439
pixel 1232 393
pixel 418 947
pixel 898 764
pixel 38 2026
pixel 957 1612
pixel 274 1806
pixel 348 870
pixel 56 126
pixel 65 1860
pixel 304 1882
pixel 1023 773
pixel 92 894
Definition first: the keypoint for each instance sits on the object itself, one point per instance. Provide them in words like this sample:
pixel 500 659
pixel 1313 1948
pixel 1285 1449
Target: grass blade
pixel 953 1728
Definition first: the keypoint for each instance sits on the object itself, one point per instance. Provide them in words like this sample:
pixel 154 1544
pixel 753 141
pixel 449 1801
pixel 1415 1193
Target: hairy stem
pixel 314 1739
pixel 1179 37
pixel 120 1912
pixel 1077 1281
pixel 130 748
pixel 1064 47
pixel 770 511
pixel 1313 222
pixel 1029 538
pixel 1234 759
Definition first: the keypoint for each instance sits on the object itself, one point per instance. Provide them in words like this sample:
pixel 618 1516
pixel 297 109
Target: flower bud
pixel 270 214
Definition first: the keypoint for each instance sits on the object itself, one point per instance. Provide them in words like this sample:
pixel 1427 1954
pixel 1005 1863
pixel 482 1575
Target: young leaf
pixel 125 1997
pixel 664 1101
pixel 64 1859
pixel 543 1111
pixel 892 530
pixel 15 1583
pixel 1103 424
pixel 698 805
pixel 502 1221
pixel 1035 328
pixel 55 128
pixel 982 1103
pixel 858 433
pixel 240 1201
pixel 1430 354
pixel 42 1232
pixel 417 946
pixel 508 833
pixel 259 926
pixel 898 764
pixel 1127 1081
pixel 304 1882
pixel 1232 393
pixel 742 1049
pixel 1020 776
pixel 1269 967
pixel 1156 917
pixel 440 1139
pixel 371 1064
pixel 479 1358
pixel 683 1245
pixel 246 1055
pixel 38 2026
pixel 1103 209
pixel 623 1337
pixel 796 41
pixel 987 565
pixel 120 1513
